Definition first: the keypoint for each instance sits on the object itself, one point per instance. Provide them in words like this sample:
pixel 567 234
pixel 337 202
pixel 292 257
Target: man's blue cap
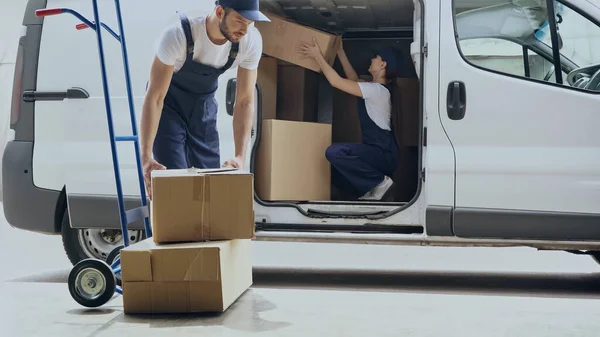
pixel 394 60
pixel 246 8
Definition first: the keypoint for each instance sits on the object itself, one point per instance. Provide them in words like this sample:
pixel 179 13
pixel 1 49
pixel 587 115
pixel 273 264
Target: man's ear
pixel 220 11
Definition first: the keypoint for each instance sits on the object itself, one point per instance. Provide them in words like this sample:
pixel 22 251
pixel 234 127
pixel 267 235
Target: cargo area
pixel 302 114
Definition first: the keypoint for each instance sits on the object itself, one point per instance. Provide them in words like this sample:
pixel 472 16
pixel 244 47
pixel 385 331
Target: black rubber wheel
pixel 71 244
pixel 92 283
pixel 111 259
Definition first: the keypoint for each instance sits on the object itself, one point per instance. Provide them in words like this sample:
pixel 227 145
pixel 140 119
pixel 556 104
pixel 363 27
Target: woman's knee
pixel 334 152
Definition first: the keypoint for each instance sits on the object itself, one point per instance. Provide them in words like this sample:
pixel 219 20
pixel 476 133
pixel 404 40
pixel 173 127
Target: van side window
pixel 507 57
pixel 516 40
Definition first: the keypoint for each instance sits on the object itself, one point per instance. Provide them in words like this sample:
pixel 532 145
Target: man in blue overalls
pixel 179 116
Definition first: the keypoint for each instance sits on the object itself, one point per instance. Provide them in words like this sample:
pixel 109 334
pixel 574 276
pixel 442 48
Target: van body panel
pixel 25 206
pixel 522 144
pixel 20 196
pixel 439 154
pixel 519 224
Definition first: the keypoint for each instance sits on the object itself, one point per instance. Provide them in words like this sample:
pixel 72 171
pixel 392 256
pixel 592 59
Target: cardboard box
pixel 184 277
pixel 196 205
pixel 281 36
pixel 297 94
pixel 267 80
pixel 291 163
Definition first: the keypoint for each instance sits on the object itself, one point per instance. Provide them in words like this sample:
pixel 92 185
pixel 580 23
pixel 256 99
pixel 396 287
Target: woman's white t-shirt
pixel 378 101
pixel 171 47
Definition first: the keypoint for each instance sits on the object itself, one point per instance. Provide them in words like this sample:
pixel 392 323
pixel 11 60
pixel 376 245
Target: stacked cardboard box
pixel 199 257
pixel 291 163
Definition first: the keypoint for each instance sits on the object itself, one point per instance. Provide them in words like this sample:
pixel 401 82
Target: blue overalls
pixel 187 134
pixel 364 166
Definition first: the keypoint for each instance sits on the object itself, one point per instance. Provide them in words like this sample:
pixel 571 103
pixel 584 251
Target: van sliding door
pixel 525 135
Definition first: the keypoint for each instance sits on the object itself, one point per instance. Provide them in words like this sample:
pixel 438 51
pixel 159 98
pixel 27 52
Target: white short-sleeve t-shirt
pixel 171 47
pixel 378 101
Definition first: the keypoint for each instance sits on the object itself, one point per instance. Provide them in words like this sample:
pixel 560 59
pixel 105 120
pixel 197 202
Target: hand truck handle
pixel 82 26
pixel 48 12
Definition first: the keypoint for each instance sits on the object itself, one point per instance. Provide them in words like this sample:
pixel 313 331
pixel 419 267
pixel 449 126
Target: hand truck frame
pixel 93 282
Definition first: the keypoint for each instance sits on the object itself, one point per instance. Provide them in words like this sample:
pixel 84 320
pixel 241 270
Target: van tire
pixel 70 241
pixel 73 245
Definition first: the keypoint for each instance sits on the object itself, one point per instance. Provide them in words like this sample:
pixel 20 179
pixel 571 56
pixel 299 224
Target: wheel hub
pixel 90 283
pixel 98 243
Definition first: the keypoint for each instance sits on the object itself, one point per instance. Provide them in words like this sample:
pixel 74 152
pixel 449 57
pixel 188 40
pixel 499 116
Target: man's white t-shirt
pixel 171 47
pixel 379 104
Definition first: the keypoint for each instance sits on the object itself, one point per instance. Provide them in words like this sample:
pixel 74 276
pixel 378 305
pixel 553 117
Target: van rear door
pixel 526 146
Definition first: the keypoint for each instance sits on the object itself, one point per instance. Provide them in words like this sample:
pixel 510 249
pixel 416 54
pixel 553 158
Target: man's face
pixel 233 26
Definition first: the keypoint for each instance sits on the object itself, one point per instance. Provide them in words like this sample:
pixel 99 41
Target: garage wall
pixel 11 17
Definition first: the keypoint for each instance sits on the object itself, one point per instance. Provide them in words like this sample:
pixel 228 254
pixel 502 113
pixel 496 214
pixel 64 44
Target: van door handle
pixel 456 100
pixel 73 93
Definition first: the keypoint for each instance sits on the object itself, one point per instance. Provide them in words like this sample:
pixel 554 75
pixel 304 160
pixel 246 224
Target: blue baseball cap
pixel 246 8
pixel 394 60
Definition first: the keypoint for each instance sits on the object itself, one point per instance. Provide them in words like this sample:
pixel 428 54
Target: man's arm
pixel 243 110
pixel 160 78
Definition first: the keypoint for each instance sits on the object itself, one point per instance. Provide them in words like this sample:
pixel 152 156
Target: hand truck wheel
pixel 111 258
pixel 92 283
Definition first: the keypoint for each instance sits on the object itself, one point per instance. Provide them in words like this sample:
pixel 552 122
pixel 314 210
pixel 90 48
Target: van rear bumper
pixel 26 206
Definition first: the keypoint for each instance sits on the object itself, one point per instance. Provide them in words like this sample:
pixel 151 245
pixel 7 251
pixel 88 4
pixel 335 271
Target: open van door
pixel 524 135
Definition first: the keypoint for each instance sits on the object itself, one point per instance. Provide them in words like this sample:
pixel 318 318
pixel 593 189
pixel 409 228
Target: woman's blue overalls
pixel 364 166
pixel 187 134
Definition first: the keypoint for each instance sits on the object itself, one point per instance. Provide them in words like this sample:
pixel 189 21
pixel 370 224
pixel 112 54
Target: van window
pixel 514 38
pixel 507 57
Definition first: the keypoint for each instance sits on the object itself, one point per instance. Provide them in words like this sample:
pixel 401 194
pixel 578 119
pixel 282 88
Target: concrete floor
pixel 407 291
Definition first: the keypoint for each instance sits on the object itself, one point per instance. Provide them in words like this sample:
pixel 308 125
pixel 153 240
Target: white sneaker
pixel 378 191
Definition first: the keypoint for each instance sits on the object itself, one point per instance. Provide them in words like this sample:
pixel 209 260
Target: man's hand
pixel 236 162
pixel 150 165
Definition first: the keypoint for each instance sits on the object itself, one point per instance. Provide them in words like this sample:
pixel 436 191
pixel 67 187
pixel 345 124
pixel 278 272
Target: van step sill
pixel 342 214
pixel 365 229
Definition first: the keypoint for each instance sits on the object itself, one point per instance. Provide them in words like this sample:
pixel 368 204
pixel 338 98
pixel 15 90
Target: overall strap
pixel 232 55
pixel 187 30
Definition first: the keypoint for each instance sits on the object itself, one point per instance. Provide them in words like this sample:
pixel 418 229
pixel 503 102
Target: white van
pixel 508 151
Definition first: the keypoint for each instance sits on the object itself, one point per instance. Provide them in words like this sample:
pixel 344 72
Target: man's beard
pixel 226 32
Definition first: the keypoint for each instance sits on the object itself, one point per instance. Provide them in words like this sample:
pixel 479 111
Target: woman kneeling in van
pixel 367 166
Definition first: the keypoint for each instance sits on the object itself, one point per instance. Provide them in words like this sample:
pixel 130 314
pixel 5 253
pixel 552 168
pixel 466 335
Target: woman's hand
pixel 310 50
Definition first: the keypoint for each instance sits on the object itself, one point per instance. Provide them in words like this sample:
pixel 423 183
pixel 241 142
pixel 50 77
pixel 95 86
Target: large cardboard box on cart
pixel 195 205
pixel 184 277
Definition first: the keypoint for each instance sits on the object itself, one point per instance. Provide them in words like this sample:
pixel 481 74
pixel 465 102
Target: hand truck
pixel 93 282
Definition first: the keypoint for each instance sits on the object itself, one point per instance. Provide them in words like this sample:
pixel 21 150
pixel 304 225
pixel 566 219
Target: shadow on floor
pixel 502 283
pixel 243 315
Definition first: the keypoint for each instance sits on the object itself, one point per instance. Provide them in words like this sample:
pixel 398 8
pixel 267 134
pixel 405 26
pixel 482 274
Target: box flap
pixel 143 267
pixel 171 265
pixel 195 172
pixel 196 261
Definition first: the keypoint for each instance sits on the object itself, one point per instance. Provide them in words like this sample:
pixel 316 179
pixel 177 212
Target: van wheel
pixel 81 244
